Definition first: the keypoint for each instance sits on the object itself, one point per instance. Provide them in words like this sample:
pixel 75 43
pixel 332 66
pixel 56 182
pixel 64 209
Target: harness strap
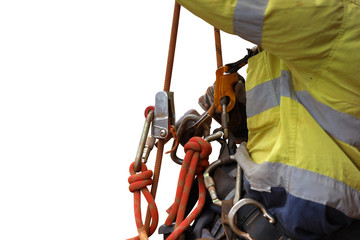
pixel 257 226
pixel 225 208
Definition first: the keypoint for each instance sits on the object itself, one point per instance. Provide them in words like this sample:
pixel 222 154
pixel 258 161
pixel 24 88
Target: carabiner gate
pixel 149 113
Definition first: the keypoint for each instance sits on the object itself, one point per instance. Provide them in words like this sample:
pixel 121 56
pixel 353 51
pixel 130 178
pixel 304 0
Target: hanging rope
pixel 197 152
pixel 138 182
pixel 219 61
pixel 167 82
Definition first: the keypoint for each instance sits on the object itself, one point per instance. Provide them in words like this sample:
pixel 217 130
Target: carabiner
pixel 237 206
pixel 214 136
pixel 209 181
pixel 224 118
pixel 149 113
pixel 181 129
pixel 210 184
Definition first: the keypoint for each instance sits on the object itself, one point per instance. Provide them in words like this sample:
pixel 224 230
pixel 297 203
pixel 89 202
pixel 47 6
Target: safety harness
pixel 210 202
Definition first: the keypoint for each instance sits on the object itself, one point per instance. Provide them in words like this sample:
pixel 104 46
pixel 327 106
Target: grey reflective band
pixel 267 95
pixel 342 126
pixel 249 18
pixel 261 98
pixel 324 190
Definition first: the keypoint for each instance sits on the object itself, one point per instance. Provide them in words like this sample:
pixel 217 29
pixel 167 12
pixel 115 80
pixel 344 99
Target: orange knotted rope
pixel 138 182
pixel 196 160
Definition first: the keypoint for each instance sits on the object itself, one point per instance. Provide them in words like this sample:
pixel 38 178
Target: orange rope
pixel 176 139
pixel 219 60
pixel 172 45
pixel 167 82
pixel 195 161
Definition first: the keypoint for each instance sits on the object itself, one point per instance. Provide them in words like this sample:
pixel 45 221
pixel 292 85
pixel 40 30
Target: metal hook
pixel 237 206
pixel 180 132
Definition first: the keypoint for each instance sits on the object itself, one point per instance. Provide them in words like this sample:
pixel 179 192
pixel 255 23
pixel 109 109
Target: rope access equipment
pixel 162 119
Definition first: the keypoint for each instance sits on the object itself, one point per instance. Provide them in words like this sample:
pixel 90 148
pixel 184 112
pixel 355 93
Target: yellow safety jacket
pixel 303 106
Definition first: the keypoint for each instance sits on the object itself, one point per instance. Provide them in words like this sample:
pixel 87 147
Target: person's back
pixel 303 107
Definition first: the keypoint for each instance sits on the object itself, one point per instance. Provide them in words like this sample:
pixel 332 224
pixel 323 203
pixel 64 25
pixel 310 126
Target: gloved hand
pixel 237 116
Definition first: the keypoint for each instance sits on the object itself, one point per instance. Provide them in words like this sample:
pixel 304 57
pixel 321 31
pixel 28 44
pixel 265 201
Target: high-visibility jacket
pixel 303 106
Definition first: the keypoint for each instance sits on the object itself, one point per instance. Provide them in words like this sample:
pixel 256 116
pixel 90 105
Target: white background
pixel 75 78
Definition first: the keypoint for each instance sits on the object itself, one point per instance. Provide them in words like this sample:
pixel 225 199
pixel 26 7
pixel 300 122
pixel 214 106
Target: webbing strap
pixel 225 208
pixel 253 222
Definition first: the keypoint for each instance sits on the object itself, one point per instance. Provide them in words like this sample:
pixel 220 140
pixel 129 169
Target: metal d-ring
pixel 240 204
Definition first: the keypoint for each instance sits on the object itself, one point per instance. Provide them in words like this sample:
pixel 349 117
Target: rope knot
pixel 139 180
pixel 198 144
pixel 197 152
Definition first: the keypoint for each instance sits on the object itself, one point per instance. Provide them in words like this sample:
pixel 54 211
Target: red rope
pixel 138 182
pixel 196 160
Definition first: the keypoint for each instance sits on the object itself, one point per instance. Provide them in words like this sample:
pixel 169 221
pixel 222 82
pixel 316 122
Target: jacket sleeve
pixel 218 13
pixel 291 30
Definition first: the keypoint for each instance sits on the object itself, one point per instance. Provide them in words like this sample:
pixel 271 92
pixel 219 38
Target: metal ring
pixel 237 206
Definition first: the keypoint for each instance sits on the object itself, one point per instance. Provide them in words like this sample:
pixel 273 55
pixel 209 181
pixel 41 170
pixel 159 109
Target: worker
pixel 302 106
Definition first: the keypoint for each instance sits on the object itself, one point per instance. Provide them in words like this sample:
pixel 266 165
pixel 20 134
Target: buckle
pixel 240 204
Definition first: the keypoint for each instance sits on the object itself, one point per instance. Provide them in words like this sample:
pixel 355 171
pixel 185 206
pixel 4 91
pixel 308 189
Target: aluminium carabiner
pixel 149 113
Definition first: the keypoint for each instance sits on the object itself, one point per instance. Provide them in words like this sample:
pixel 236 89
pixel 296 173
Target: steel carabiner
pixel 188 117
pixel 149 114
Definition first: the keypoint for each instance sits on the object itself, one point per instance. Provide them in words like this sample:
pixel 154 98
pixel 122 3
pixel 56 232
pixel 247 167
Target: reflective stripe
pixel 267 95
pixel 323 190
pixel 261 98
pixel 249 19
pixel 342 126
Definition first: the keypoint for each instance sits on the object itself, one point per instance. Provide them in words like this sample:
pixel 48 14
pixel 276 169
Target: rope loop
pixel 138 183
